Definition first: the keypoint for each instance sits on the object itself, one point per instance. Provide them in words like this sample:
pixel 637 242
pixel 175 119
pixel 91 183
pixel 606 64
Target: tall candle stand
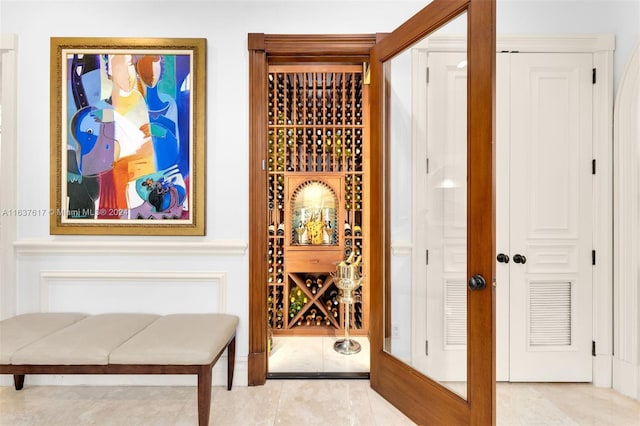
pixel 347 279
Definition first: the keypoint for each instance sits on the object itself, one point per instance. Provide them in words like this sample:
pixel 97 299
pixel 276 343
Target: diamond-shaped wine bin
pixel 347 278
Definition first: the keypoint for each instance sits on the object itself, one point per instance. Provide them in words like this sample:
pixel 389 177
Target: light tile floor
pixel 297 402
pixel 316 354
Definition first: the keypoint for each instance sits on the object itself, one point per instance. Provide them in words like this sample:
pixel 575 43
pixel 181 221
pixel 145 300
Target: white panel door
pixel 446 216
pixel 543 212
pixel 550 217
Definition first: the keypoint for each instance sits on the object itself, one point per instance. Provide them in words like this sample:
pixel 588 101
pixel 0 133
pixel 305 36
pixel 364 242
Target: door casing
pixel 265 49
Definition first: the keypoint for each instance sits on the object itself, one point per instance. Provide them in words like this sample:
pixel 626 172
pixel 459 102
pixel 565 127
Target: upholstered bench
pixel 74 343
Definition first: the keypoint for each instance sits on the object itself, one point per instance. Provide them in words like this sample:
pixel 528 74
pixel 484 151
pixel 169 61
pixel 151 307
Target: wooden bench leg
pixel 231 362
pixel 204 395
pixel 18 381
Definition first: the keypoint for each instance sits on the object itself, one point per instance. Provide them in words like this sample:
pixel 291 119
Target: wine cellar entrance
pixel 309 185
pixel 316 151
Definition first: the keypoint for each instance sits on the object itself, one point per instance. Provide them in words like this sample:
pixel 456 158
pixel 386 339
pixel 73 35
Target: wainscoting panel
pixel 140 291
pixel 160 276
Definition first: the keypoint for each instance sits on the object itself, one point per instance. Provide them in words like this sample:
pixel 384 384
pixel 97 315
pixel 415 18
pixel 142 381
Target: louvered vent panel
pixel 455 308
pixel 550 314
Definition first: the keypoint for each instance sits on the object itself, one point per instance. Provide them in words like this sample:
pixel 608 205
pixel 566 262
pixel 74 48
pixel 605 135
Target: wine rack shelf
pixel 317 147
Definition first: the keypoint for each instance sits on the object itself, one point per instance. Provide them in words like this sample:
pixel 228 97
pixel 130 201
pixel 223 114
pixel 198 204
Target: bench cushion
pixel 179 339
pixel 86 342
pixel 22 330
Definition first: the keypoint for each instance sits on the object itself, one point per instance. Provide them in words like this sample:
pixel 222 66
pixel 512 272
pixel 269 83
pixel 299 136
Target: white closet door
pixel 446 217
pixel 543 212
pixel 551 217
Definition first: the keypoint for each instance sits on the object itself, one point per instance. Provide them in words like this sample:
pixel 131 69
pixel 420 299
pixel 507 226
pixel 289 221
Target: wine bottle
pixel 333 296
pixel 347 229
pixel 329 145
pixel 350 258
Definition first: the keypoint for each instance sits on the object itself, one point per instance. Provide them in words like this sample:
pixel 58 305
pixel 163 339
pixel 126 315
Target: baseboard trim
pixel 626 378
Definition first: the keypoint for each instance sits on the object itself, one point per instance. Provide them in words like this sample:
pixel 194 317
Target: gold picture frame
pixel 127 136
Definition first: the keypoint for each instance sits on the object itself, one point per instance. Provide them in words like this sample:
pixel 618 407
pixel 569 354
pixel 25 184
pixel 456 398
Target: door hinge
pixel 593 76
pixel 427 165
pixel 593 348
pixel 427 76
pixel 426 347
pixel 264 164
pixel 427 256
pixel 593 257
pixel 593 166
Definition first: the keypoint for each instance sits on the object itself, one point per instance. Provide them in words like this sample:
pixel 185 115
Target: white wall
pixel 223 251
pixel 619 17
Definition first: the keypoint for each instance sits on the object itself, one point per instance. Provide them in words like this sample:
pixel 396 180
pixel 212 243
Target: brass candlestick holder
pixel 347 278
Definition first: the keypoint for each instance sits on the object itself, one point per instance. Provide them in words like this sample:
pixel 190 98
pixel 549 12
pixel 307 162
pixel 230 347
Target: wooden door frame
pixel 265 49
pixel 389 375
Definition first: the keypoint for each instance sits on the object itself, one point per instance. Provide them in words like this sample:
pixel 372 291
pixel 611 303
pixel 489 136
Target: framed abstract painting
pixel 127 136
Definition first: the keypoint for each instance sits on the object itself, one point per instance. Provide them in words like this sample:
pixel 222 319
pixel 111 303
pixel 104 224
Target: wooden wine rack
pixel 316 133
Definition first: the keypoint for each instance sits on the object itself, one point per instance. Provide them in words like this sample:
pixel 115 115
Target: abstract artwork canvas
pixel 127 130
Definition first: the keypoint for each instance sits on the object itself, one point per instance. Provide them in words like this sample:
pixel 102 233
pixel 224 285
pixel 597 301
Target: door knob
pixel 518 258
pixel 503 258
pixel 477 282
